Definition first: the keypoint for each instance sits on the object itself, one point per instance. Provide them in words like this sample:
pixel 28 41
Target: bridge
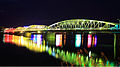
pixel 73 24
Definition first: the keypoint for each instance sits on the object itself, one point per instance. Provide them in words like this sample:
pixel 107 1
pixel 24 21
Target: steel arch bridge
pixel 82 24
pixel 73 24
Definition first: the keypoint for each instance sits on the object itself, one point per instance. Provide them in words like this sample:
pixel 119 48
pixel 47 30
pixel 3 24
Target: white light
pixel 90 32
pixel 89 53
pixel 78 40
pixel 39 40
pixel 59 40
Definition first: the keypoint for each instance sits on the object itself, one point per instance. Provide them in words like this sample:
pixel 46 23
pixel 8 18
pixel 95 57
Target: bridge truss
pixel 82 24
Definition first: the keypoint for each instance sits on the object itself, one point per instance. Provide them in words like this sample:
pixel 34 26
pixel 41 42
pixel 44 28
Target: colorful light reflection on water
pixel 70 57
pixel 89 40
pixel 95 42
pixel 58 39
pixel 78 40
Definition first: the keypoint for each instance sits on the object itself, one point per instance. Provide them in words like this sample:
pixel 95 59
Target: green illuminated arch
pixel 82 24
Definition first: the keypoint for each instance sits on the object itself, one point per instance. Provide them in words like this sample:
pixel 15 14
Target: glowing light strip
pixel 35 38
pixel 64 39
pixel 39 39
pixel 78 40
pixel 58 39
pixel 6 38
pixel 95 42
pixel 89 40
pixel 32 36
pixel 114 46
pixel 82 38
pixel 61 40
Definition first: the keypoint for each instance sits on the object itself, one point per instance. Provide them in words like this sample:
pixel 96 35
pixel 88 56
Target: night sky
pixel 15 13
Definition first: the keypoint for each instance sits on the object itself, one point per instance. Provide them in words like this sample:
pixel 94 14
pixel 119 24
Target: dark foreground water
pixel 20 50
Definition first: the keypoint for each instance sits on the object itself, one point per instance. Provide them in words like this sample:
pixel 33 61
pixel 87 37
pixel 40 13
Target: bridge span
pixel 74 25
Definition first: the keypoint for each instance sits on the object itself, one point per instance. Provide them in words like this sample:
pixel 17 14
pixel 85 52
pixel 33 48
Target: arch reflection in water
pixel 70 57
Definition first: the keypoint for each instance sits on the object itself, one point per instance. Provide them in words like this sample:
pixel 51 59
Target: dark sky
pixel 15 13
